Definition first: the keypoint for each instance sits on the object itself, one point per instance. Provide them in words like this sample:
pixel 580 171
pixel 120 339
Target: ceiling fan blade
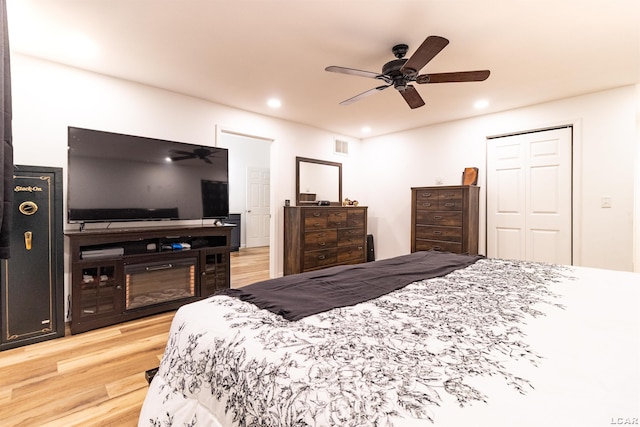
pixel 363 95
pixel 353 72
pixel 177 159
pixel 425 53
pixel 187 153
pixel 462 76
pixel 413 98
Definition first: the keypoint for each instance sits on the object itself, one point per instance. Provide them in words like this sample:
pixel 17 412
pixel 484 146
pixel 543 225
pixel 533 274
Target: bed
pixel 478 342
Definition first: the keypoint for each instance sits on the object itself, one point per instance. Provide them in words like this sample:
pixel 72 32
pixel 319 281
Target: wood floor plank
pixel 121 411
pixel 96 379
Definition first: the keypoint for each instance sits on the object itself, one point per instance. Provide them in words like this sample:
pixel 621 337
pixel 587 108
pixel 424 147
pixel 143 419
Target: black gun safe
pixel 32 294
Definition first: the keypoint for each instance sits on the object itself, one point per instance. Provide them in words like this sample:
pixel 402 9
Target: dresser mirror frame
pixel 332 171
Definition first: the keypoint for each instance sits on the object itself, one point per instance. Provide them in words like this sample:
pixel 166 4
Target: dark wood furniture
pixel 318 237
pixel 32 284
pixel 123 274
pixel 445 218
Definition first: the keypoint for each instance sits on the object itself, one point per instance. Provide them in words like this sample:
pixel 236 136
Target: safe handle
pixel 28 237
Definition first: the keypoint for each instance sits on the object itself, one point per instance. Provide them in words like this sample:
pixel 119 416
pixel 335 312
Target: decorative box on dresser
pixel 445 218
pixel 317 237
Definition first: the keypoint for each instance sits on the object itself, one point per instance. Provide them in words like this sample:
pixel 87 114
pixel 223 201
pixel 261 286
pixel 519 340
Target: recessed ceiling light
pixel 366 129
pixel 274 103
pixel 480 104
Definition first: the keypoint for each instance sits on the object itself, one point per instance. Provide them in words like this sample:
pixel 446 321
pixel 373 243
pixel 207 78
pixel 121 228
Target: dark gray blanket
pixel 300 295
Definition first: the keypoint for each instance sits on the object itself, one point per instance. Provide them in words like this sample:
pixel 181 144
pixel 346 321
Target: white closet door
pixel 529 199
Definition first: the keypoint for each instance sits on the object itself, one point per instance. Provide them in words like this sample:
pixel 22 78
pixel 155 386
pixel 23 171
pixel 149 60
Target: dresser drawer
pixel 316 259
pixel 315 220
pixel 427 195
pixel 337 219
pixel 436 245
pixel 443 218
pixel 321 239
pixel 427 203
pixel 447 200
pixel 449 234
pixel 350 236
pixel 355 217
pixel 351 254
pixel 315 213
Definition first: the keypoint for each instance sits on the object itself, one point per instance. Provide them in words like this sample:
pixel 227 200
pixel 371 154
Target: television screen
pixel 116 177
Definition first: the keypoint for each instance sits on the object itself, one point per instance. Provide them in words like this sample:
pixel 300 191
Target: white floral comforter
pixel 497 343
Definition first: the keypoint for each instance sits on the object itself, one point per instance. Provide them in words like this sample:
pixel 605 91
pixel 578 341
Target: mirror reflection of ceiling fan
pixel 402 71
pixel 201 153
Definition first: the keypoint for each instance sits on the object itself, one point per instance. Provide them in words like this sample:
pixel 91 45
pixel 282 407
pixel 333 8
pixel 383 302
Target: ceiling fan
pixel 402 71
pixel 198 153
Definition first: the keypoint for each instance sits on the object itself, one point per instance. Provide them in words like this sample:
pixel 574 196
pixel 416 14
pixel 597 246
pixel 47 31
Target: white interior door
pixel 529 197
pixel 258 209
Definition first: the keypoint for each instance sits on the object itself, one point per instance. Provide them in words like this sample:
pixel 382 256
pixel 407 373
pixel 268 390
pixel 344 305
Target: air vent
pixel 342 147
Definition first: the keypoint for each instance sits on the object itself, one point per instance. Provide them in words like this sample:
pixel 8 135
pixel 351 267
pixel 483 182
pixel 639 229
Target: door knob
pixel 27 239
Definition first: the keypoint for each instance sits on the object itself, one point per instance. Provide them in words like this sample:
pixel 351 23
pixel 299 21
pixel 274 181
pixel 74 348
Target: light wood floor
pixel 96 378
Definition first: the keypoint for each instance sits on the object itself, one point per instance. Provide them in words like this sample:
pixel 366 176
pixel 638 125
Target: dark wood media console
pixel 124 274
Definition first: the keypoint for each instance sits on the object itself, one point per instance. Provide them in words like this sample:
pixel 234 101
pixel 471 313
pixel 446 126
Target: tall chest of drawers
pixel 317 237
pixel 445 218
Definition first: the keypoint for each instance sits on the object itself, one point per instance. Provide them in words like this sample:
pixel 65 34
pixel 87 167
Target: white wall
pixel 605 137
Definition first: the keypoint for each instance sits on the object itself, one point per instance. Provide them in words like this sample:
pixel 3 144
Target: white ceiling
pixel 239 53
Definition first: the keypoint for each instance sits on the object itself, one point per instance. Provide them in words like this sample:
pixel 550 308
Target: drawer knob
pixel 426 204
pixel 322 243
pixel 316 214
pixel 437 232
pixel 426 194
pixel 449 205
pixel 437 248
pixel 321 257
pixel 437 217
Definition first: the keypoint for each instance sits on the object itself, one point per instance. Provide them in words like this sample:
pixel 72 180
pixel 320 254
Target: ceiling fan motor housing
pixel 392 69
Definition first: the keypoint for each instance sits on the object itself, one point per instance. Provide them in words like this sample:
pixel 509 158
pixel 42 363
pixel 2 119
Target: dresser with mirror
pixel 319 232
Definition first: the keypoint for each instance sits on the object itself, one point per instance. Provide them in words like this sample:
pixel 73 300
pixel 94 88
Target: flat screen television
pixel 115 177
